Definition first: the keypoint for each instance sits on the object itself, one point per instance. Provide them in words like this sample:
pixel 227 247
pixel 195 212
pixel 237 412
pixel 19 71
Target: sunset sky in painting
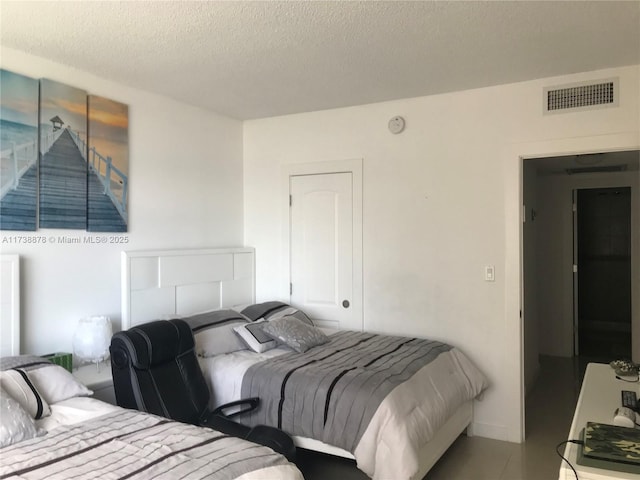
pixel 109 130
pixel 108 119
pixel 18 98
pixel 67 102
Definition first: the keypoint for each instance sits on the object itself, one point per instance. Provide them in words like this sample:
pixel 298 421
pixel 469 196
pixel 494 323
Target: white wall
pixel 441 201
pixel 185 191
pixel 555 255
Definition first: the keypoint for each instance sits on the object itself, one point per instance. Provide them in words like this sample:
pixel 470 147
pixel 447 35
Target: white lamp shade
pixel 92 338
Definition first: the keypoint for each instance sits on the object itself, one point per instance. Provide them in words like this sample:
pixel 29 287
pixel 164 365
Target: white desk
pixel 599 397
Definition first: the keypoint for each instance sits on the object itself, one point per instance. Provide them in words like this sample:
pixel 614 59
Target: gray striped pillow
pixel 213 332
pixel 24 362
pixel 273 311
pixel 17 384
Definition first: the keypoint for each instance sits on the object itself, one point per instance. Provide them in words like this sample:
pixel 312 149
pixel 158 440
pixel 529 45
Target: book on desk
pixel 610 447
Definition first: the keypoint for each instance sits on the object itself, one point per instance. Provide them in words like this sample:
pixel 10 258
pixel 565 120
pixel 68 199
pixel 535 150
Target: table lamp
pixel 92 338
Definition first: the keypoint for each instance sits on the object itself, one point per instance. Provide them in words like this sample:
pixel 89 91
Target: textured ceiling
pixel 259 59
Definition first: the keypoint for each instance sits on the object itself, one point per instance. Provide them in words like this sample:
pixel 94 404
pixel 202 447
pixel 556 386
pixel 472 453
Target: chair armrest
pixel 252 403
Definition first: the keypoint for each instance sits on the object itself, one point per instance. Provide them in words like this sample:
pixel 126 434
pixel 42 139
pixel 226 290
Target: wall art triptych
pixel 64 157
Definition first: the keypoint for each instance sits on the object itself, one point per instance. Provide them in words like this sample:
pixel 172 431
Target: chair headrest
pixel 157 342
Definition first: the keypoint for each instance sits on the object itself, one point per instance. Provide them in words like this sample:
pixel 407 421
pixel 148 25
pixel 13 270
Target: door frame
pixel 513 155
pixel 353 166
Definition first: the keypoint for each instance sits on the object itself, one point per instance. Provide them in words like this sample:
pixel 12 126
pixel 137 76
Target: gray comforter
pixel 331 392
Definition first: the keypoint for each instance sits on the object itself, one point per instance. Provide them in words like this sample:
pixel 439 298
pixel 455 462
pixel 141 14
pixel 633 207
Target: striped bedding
pixel 332 392
pixel 127 444
pixel 382 398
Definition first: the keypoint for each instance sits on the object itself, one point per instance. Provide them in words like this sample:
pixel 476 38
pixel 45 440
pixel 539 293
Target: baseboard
pixel 486 430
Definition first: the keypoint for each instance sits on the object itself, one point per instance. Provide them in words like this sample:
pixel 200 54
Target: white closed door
pixel 321 249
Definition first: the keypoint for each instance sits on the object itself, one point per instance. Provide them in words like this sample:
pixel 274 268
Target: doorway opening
pixel 580 268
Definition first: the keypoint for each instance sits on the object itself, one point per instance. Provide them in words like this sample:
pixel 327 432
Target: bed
pixel 52 429
pixel 416 395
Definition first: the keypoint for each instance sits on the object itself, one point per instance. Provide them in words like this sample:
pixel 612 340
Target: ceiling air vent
pixel 584 96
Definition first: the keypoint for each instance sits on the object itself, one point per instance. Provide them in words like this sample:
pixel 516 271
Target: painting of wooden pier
pixel 63 166
pixel 18 151
pixel 108 160
pixel 64 157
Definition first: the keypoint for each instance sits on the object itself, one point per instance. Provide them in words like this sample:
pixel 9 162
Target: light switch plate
pixel 490 273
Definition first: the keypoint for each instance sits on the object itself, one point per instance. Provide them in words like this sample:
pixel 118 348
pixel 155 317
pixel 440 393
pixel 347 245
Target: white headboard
pixel 9 305
pixel 159 283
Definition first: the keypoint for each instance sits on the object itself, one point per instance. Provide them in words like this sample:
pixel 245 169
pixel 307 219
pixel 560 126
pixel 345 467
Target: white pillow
pixel 254 337
pixel 16 424
pixel 57 384
pixel 17 384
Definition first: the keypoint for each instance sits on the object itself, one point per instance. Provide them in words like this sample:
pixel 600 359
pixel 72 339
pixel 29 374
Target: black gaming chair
pixel 155 370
